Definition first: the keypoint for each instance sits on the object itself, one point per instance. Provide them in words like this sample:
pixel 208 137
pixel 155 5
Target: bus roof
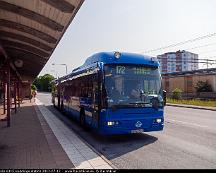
pixel 114 58
pixel 125 58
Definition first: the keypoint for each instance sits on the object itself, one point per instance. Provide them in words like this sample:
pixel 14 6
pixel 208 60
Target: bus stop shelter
pixel 29 33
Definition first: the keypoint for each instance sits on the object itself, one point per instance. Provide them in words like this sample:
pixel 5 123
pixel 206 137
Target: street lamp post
pixel 62 64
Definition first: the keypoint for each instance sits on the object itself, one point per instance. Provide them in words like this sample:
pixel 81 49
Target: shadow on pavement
pixel 110 146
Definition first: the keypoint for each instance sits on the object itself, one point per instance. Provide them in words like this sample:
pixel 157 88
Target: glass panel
pixel 132 85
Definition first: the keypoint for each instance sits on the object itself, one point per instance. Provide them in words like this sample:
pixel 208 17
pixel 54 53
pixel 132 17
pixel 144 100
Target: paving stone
pixel 24 144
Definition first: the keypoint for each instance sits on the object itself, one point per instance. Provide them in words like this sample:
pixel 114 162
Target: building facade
pixel 178 61
pixel 187 81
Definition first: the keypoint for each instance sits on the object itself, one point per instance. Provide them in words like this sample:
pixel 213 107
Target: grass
pixel 193 102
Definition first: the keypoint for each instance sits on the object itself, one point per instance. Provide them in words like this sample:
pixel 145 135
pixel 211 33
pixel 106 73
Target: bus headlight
pixel 112 123
pixel 158 120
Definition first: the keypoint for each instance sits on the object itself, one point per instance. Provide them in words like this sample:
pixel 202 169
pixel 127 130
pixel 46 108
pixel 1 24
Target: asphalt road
pixel 187 141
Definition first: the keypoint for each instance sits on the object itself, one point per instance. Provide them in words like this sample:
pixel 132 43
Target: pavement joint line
pixel 54 123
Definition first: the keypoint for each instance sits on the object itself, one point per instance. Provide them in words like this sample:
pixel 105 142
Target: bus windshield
pixel 133 86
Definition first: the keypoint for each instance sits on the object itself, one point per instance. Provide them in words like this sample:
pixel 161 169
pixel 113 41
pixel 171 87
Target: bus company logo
pixel 138 124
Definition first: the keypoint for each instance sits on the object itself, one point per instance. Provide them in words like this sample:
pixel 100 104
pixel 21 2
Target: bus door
pixel 95 101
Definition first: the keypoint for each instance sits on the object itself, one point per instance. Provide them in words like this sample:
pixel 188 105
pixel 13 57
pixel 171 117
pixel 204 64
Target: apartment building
pixel 178 61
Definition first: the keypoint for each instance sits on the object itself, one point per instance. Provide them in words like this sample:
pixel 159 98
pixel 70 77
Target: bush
pixel 177 94
pixel 202 86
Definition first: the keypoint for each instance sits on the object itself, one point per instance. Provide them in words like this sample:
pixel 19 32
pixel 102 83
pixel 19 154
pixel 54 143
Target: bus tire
pixel 82 118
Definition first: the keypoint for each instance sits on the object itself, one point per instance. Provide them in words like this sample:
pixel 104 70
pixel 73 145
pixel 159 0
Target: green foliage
pixel 53 88
pixel 177 94
pixel 193 102
pixel 33 87
pixel 202 86
pixel 43 83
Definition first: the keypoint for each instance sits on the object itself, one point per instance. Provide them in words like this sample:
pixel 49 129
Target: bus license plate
pixel 137 131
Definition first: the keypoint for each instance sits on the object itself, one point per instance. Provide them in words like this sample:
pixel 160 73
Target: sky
pixel 135 26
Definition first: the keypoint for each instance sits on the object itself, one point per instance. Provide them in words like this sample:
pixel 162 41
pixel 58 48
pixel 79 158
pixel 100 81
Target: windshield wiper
pixel 121 105
pixel 139 103
pixel 117 106
pixel 129 105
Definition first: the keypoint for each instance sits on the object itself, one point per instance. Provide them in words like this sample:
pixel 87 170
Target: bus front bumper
pixel 111 130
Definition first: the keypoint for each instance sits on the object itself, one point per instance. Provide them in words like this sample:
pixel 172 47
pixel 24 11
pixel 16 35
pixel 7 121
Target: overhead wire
pixel 201 46
pixel 181 43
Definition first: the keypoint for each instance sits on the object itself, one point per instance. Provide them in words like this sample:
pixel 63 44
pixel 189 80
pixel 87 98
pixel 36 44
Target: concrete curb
pixel 191 106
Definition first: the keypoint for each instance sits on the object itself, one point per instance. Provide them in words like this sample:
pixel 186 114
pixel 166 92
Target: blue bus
pixel 114 93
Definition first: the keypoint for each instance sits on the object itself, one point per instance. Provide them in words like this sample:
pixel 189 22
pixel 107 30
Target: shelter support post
pixel 18 93
pixel 4 97
pixel 15 96
pixel 8 95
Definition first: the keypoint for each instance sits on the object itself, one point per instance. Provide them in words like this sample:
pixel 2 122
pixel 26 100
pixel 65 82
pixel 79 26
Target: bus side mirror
pixel 164 97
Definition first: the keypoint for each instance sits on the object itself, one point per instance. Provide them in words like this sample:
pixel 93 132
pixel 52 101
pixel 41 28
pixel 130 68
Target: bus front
pixel 133 99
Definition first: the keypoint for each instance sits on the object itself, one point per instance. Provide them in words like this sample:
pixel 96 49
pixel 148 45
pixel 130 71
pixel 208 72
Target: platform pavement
pixel 29 142
pixel 38 140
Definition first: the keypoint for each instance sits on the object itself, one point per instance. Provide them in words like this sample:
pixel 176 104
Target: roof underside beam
pixel 31 15
pixel 62 5
pixel 19 54
pixel 26 47
pixel 27 29
pixel 10 35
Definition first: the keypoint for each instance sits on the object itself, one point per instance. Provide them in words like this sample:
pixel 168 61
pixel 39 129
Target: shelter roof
pixel 31 30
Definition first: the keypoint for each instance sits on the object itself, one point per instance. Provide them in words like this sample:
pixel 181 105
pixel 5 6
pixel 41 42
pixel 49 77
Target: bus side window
pixel 104 97
pixel 90 87
pixel 95 88
pixel 78 89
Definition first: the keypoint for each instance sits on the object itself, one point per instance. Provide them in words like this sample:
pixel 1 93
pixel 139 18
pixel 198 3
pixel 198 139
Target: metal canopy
pixel 31 29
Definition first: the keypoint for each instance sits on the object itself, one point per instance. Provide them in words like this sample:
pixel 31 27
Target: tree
pixel 33 87
pixel 37 83
pixel 202 86
pixel 43 83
